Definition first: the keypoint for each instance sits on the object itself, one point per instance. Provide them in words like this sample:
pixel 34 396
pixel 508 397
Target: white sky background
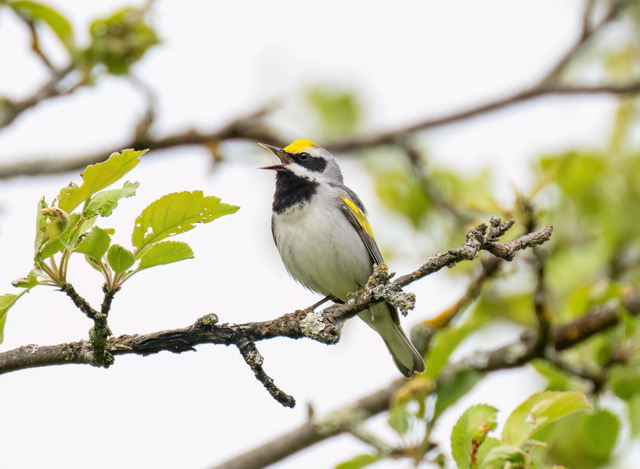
pixel 407 60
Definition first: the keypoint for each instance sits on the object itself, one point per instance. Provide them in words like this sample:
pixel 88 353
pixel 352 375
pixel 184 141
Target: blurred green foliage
pixel 117 41
pixel 338 111
pixel 592 198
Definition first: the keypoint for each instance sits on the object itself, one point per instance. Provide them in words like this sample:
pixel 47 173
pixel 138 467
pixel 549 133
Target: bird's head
pixel 306 159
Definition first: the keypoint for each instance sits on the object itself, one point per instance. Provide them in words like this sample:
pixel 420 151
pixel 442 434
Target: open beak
pixel 280 153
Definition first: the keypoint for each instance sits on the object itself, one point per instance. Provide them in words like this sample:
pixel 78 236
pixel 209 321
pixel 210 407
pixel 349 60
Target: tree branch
pixel 253 128
pixel 510 356
pixel 324 326
pixel 100 331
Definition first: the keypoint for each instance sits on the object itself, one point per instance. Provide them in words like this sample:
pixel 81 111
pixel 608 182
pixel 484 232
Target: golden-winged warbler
pixel 325 241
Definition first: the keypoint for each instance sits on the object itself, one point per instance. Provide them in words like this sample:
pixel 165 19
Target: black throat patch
pixel 291 190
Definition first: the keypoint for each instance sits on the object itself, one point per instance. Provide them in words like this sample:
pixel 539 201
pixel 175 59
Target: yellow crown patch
pixel 299 145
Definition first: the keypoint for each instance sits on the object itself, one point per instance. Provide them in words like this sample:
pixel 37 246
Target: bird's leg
pixel 315 305
pixel 355 296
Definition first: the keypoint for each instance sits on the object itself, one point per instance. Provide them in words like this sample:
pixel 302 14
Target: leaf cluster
pixel 117 41
pixel 67 226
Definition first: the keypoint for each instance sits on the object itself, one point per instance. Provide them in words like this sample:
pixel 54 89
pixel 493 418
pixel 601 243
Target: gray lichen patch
pixel 316 327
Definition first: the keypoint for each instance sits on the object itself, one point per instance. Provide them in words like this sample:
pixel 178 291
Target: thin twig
pixel 252 357
pixel 100 331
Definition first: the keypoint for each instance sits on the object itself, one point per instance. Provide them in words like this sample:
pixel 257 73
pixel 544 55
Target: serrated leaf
pixel 97 177
pixel 105 202
pixel 174 214
pixel 499 456
pixel 362 460
pixel 165 252
pixel 538 410
pixel 470 431
pixel 95 244
pixel 58 23
pixel 119 258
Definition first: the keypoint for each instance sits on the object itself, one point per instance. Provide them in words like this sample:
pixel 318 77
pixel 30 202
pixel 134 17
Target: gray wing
pixel 355 212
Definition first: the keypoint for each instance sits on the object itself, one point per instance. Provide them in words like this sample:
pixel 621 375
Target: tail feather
pixel 383 318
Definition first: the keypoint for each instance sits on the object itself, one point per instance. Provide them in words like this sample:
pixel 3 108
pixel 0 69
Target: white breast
pixel 320 248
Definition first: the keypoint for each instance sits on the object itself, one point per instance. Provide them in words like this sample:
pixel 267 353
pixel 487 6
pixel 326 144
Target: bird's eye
pixel 303 156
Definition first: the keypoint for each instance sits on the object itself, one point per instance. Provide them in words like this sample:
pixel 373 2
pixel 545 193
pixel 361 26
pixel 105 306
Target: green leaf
pixel 97 177
pixel 6 302
pixel 105 202
pixel 540 409
pixel 600 433
pixel 469 433
pixel 165 252
pixel 485 448
pixel 30 281
pixel 41 226
pixel 359 461
pixel 3 320
pixel 446 342
pixel 95 244
pixel 174 214
pixel 50 224
pixel 119 258
pixel 72 233
pixel 399 419
pixel 582 440
pixel 58 23
pixel 499 456
pixel 50 248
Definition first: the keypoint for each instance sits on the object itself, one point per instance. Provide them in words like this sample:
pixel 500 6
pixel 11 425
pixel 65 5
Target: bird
pixel 325 241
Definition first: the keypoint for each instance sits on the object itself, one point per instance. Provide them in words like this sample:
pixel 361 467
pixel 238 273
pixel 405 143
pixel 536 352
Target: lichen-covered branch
pixel 510 356
pixel 100 331
pixel 254 359
pixel 324 326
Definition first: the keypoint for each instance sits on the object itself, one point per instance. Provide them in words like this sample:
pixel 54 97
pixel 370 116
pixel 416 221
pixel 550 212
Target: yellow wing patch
pixel 299 145
pixel 361 218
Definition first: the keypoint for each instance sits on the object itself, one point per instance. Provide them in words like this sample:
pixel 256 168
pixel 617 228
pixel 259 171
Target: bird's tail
pixel 383 318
